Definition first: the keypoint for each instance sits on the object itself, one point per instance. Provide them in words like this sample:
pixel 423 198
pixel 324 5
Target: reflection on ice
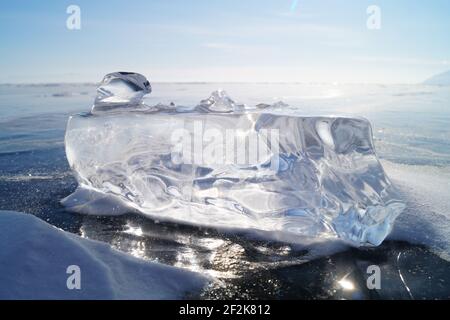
pixel 346 284
pixel 247 267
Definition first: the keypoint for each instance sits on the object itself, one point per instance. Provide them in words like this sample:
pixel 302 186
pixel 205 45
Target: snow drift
pixel 35 257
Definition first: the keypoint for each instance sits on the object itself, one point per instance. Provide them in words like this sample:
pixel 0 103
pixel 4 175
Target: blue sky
pixel 225 40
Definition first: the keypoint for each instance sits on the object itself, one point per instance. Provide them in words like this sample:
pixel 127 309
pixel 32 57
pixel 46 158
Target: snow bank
pixel 35 256
pixel 426 219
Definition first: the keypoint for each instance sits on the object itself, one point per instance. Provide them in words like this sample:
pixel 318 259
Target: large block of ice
pixel 312 177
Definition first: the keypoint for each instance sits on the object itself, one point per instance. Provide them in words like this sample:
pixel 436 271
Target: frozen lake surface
pixel 411 125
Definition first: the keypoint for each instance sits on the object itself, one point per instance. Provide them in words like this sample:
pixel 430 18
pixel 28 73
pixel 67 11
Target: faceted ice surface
pixel 121 89
pixel 219 101
pixel 315 179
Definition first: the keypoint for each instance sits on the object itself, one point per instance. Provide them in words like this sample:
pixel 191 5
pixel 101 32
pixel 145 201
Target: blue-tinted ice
pixel 227 165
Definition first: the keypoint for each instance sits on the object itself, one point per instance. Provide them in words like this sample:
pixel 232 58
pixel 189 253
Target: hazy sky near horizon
pixel 225 40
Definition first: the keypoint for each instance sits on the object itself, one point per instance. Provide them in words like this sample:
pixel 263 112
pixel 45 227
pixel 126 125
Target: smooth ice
pixel 310 178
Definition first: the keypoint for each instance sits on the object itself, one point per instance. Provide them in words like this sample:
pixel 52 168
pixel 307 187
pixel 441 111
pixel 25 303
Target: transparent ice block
pixel 312 177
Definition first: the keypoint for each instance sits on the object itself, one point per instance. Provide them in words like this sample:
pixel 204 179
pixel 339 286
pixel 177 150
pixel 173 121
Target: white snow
pixel 34 257
pixel 426 220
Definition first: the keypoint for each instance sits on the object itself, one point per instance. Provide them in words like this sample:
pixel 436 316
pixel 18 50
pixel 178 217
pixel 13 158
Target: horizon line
pixel 213 82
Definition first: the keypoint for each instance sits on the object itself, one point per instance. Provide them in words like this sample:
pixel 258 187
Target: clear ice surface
pixel 317 179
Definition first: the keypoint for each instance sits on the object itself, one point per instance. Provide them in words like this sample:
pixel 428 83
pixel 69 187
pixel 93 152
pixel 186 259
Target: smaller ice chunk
pixel 219 101
pixel 121 90
pixel 279 104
